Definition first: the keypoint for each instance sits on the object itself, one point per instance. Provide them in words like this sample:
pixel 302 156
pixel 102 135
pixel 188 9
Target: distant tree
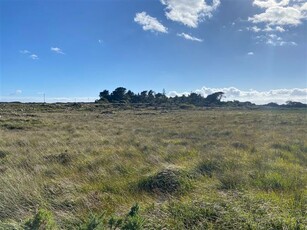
pixel 295 104
pixel 119 95
pixel 104 95
pixel 130 96
pixel 214 98
pixel 195 98
pixel 143 96
pixel 160 98
pixel 272 104
pixel 151 96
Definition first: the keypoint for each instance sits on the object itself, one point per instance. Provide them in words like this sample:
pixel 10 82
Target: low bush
pixel 42 220
pixel 166 181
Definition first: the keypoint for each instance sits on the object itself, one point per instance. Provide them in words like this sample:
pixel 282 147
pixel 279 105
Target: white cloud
pixel 56 50
pixel 189 37
pixel 24 51
pixel 255 29
pixel 280 12
pixel 250 53
pixel 16 93
pixel 259 97
pixel 274 40
pixel 149 23
pixel 189 12
pixel 34 57
pixel 271 29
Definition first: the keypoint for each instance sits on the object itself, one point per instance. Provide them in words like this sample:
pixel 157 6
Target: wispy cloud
pixel 259 97
pixel 189 12
pixel 149 23
pixel 274 40
pixel 100 41
pixel 189 37
pixel 16 93
pixel 29 54
pixel 34 57
pixel 56 50
pixel 24 51
pixel 250 53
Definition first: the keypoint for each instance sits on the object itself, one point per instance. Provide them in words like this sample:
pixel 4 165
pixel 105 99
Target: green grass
pixel 187 168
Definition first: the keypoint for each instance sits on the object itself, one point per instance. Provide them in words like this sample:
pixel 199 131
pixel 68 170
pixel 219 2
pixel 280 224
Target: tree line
pixel 122 95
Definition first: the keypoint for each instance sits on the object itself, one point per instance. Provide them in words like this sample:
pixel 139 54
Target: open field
pixel 186 169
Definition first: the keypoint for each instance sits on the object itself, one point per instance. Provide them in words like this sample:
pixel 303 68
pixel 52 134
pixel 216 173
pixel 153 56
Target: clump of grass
pixel 167 181
pixel 3 154
pixel 193 216
pixel 232 179
pixel 284 147
pixel 43 219
pixel 239 145
pixel 62 158
pixel 209 166
pixel 132 221
pixel 93 222
pixel 13 126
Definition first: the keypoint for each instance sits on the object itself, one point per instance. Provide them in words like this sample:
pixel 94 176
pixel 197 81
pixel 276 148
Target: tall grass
pixel 187 169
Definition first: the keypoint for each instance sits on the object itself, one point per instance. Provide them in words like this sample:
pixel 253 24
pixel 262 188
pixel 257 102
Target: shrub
pixel 133 220
pixel 93 222
pixel 166 182
pixel 3 154
pixel 42 220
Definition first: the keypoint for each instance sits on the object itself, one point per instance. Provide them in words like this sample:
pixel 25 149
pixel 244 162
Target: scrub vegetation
pixel 103 166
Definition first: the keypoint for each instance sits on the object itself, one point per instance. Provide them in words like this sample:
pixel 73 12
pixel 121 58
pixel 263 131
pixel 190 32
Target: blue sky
pixel 71 50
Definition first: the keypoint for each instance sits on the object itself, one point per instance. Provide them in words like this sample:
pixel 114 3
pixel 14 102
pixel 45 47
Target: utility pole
pixel 44 98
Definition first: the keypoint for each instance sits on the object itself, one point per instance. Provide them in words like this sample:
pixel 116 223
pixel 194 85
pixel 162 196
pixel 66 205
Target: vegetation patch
pixel 182 166
pixel 209 166
pixel 3 154
pixel 167 181
pixel 62 158
pixel 43 219
pixel 132 221
pixel 239 145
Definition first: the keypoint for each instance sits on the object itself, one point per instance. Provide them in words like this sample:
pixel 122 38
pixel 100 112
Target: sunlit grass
pixel 187 169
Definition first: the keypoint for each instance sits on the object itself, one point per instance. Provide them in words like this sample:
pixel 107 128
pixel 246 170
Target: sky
pixel 70 50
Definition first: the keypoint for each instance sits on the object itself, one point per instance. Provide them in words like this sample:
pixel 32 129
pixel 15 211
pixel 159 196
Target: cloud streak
pixel 149 23
pixel 56 50
pixel 29 54
pixel 33 57
pixel 189 37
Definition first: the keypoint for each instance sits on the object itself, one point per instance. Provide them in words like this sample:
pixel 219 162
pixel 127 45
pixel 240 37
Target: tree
pixel 195 98
pixel 119 94
pixel 130 96
pixel 104 95
pixel 214 98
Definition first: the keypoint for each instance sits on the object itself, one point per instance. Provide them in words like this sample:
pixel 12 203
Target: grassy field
pixel 77 167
